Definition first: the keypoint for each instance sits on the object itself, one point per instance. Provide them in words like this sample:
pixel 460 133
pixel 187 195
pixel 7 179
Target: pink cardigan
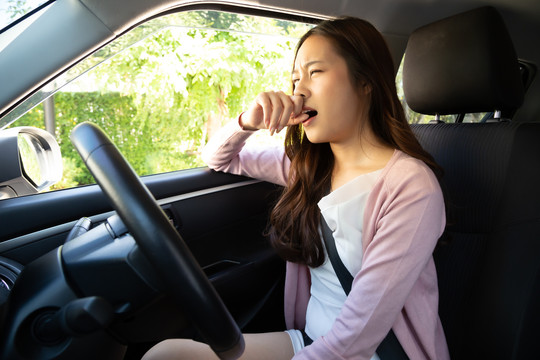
pixel 397 285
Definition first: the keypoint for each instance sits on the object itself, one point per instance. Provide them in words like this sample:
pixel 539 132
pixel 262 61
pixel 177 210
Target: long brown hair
pixel 295 218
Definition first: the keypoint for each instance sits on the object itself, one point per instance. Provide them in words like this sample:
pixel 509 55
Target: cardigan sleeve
pixel 402 224
pixel 228 152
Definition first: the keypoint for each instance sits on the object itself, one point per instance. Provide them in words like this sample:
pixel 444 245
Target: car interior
pixel 105 271
pixel 493 214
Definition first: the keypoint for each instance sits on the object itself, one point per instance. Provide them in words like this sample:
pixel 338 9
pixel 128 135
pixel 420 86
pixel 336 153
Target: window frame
pixel 39 94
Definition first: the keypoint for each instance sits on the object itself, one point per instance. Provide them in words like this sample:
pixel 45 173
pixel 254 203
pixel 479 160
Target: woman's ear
pixel 366 88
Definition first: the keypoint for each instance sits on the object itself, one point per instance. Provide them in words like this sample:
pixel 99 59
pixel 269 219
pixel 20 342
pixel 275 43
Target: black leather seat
pixel 489 272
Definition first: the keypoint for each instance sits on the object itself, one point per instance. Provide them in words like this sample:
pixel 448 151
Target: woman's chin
pixel 314 137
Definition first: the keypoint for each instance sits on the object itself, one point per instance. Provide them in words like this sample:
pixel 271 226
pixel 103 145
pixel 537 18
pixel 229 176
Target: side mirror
pixel 30 161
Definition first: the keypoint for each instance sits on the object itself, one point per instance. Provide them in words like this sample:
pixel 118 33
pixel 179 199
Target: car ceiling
pixel 396 19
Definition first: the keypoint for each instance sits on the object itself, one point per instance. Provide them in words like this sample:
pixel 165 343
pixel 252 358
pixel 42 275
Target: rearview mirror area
pixel 30 161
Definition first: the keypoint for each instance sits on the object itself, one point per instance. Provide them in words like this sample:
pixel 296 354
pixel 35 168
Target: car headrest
pixel 462 64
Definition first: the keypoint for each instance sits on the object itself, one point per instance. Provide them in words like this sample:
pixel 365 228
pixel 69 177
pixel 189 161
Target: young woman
pixel 350 157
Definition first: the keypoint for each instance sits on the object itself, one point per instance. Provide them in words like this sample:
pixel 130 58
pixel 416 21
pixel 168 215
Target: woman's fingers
pixel 286 110
pixel 297 117
pixel 280 106
pixel 264 101
pixel 274 110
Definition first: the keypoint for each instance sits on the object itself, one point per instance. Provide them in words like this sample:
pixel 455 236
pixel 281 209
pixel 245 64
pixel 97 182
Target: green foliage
pixel 16 8
pixel 161 98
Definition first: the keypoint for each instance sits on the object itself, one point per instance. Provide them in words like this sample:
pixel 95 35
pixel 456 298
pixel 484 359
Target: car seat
pixel 489 258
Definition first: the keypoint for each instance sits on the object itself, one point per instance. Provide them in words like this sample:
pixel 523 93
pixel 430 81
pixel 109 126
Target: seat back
pixel 489 271
pixel 489 268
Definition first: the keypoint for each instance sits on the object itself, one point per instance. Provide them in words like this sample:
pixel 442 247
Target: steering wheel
pixel 159 241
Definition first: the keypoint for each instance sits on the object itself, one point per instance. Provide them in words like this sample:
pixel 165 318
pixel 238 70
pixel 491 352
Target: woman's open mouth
pixel 311 114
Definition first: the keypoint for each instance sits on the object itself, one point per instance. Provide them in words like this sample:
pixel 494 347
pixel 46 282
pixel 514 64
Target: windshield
pixel 13 10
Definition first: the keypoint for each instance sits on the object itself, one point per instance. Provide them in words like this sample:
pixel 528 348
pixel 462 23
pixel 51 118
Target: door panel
pixel 221 217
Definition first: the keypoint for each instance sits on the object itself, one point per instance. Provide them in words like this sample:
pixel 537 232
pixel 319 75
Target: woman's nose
pixel 300 89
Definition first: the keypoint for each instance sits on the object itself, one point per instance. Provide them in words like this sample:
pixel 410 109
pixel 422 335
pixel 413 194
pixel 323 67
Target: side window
pixel 416 118
pixel 161 90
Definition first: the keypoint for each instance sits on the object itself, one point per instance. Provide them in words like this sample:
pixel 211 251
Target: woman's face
pixel 321 77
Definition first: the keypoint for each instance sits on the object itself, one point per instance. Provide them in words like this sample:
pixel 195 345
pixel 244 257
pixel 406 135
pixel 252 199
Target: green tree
pixel 16 8
pixel 163 97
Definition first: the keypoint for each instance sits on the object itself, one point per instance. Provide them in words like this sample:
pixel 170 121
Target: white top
pixel 343 210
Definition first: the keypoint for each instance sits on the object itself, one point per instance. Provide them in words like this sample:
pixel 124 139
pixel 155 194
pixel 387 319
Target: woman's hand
pixel 273 110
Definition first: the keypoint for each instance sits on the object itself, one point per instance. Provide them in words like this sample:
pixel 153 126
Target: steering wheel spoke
pixel 158 239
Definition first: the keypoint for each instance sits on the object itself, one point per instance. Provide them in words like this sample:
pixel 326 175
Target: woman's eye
pixel 311 73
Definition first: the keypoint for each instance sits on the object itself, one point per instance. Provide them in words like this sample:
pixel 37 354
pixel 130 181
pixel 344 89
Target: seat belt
pixel 389 348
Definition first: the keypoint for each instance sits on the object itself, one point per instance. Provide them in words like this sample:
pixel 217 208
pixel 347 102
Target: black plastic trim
pixel 49 209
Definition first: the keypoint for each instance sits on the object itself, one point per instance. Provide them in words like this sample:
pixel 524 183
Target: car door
pixel 222 218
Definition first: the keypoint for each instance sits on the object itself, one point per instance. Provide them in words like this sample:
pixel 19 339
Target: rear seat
pixel 489 276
